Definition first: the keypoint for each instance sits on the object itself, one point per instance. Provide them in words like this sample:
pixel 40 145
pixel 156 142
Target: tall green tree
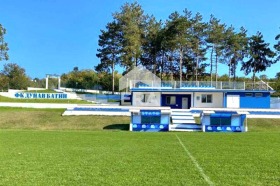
pixel 3 45
pixel 151 57
pixel 216 37
pixel 16 76
pixel 235 49
pixel 178 35
pixel 277 47
pixel 259 54
pixel 110 50
pixel 162 41
pixel 198 36
pixel 132 23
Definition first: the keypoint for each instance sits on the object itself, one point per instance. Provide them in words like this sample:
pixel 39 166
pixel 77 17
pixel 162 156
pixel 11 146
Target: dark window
pixel 259 94
pixel 249 94
pixel 170 100
pixel 206 98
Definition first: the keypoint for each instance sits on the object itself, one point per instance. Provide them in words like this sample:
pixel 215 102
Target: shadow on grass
pixel 117 127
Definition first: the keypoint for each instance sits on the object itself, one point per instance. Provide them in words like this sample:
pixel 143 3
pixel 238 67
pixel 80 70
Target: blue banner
pixel 148 127
pixel 223 129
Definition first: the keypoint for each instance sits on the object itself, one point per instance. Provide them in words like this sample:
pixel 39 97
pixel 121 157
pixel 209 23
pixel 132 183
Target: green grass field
pixel 40 147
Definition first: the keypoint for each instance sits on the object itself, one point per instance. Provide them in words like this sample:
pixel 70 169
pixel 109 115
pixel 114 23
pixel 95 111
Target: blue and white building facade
pixel 186 95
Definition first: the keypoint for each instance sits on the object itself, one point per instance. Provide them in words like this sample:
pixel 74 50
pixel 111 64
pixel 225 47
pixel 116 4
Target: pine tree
pixel 277 47
pixel 216 37
pixel 110 50
pixel 235 49
pixel 260 56
pixel 178 36
pixel 132 23
pixel 198 45
pixel 151 57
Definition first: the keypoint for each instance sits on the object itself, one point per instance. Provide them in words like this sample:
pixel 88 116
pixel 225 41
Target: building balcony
pixel 220 85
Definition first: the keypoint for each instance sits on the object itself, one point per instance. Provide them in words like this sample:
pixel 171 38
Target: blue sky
pixel 54 36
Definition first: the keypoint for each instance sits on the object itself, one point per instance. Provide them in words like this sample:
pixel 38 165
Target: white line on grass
pixel 207 179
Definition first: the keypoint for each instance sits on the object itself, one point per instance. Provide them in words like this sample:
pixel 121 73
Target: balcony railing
pixel 199 85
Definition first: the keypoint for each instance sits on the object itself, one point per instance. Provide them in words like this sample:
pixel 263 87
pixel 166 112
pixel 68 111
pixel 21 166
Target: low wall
pixel 33 88
pixel 38 105
pixel 20 94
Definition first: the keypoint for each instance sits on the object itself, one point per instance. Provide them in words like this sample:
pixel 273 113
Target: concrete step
pixel 183 117
pixel 180 114
pixel 181 110
pixel 182 121
pixel 186 126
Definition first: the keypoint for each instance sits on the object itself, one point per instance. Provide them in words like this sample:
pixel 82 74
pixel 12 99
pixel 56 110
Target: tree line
pixel 181 47
pixel 14 77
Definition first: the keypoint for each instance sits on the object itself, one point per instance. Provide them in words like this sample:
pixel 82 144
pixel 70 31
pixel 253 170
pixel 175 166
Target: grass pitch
pixel 94 150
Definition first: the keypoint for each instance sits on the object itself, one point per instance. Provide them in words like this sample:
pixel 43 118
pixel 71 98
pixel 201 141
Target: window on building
pixel 170 100
pixel 206 98
pixel 249 94
pixel 259 94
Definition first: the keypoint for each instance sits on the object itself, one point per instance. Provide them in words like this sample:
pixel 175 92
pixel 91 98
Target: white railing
pixel 199 85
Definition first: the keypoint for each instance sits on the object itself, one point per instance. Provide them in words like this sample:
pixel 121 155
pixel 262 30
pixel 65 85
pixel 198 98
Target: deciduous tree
pixel 17 79
pixel 80 79
pixel 3 45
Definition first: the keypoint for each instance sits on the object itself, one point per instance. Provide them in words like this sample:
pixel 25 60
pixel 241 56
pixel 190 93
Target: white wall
pixel 33 88
pixel 153 99
pixel 12 94
pixel 217 100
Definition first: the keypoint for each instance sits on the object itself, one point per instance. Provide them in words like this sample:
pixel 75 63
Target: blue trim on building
pixel 178 104
pixel 260 101
pixel 224 100
pixel 250 99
